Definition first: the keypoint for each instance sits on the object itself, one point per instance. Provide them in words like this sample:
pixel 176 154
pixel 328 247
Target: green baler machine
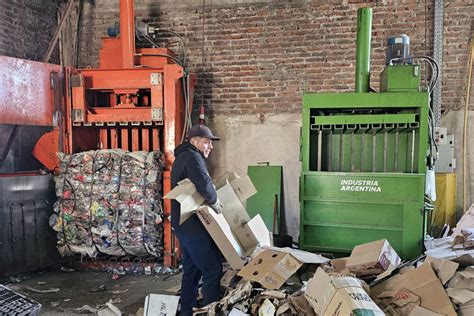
pixel 364 160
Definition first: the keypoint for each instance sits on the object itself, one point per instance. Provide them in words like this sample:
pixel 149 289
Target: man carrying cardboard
pixel 201 257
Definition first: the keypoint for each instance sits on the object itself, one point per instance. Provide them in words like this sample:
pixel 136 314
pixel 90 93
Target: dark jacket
pixel 189 163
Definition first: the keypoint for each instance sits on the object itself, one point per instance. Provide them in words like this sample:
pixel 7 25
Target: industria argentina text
pixel 360 186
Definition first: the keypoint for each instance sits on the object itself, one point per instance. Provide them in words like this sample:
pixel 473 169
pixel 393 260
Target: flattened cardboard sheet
pixel 422 282
pixel 445 269
pixel 463 279
pixel 460 296
pixel 301 255
pixel 233 210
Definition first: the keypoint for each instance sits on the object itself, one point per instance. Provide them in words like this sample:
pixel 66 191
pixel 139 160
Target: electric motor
pixel 398 47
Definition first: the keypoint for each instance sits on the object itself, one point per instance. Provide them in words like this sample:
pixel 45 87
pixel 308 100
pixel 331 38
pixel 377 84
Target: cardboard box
pixel 235 234
pixel 252 235
pixel 372 258
pixel 442 248
pixel 189 198
pixel 339 296
pixel 401 302
pixel 422 282
pixel 273 266
pixel 234 210
pixel 159 304
pixel 232 193
pixel 221 233
pixel 301 255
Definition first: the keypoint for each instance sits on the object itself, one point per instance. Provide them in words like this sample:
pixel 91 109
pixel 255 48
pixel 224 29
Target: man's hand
pixel 217 206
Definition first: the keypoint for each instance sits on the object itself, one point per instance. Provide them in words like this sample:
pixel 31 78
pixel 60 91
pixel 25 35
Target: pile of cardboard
pixel 266 280
pixel 459 246
pixel 426 286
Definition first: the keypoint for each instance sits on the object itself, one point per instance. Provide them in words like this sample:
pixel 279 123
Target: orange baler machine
pixel 137 99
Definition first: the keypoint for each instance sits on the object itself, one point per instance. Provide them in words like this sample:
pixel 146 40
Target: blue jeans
pixel 201 258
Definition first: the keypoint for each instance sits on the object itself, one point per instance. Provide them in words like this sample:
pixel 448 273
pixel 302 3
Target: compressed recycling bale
pixel 109 201
pixel 106 174
pixel 104 228
pixel 140 226
pixel 75 175
pixel 71 221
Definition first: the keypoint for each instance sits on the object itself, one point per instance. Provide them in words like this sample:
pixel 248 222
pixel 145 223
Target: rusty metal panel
pixel 25 92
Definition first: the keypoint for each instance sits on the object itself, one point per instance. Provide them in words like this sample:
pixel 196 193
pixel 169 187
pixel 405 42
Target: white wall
pixel 249 140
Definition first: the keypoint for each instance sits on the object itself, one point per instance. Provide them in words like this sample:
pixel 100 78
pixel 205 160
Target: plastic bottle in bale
pixel 71 221
pixel 140 228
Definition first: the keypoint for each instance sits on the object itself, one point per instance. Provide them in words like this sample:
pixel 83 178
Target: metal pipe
pixel 364 30
pixel 127 33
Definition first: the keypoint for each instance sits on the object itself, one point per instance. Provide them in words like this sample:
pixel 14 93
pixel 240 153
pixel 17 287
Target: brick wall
pixel 26 27
pixel 458 28
pixel 261 55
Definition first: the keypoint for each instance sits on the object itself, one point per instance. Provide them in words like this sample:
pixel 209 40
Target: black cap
pixel 201 131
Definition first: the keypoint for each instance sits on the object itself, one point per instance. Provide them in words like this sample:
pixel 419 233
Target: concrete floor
pixel 92 288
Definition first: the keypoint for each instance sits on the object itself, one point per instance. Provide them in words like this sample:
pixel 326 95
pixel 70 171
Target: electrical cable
pixel 182 63
pixel 434 68
pixel 176 60
pixel 187 112
pixel 185 84
pixel 77 34
pixel 180 38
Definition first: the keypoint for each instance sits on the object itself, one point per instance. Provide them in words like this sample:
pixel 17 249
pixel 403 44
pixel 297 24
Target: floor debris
pixel 281 281
pixel 31 289
pixel 86 308
pixel 275 283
